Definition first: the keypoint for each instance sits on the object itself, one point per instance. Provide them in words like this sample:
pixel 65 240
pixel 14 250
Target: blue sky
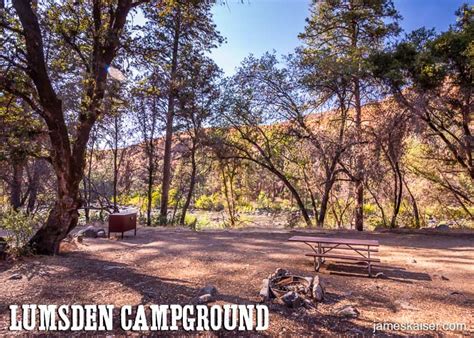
pixel 256 26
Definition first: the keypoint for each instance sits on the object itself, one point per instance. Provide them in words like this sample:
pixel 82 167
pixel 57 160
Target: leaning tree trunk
pixel 324 202
pixel 62 218
pixel 296 196
pixel 416 212
pixel 398 192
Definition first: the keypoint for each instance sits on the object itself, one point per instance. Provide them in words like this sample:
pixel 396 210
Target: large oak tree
pixel 56 45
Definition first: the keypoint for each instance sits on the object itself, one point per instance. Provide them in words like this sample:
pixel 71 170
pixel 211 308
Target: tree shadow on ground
pixel 437 240
pixel 87 277
pixel 81 274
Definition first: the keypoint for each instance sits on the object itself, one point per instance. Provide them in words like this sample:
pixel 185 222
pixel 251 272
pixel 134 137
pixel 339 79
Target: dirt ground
pixel 430 277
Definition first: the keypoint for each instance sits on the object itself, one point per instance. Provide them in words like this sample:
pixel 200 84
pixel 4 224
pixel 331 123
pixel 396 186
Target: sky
pixel 257 26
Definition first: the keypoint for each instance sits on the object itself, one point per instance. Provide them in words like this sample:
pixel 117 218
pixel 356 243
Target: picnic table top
pixel 334 240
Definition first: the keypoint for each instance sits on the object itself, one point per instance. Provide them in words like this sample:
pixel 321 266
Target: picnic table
pixel 327 247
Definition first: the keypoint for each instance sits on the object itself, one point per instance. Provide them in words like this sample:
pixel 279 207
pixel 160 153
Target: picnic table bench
pixel 325 247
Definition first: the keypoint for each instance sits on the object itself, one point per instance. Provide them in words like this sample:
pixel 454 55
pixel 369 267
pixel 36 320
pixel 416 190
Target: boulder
pixel 348 311
pixel 265 292
pixel 442 227
pixel 91 232
pixel 204 299
pixel 318 289
pixel 101 233
pixel 208 289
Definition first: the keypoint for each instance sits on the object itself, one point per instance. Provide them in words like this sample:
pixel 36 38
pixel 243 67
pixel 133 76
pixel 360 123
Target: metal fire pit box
pixel 122 221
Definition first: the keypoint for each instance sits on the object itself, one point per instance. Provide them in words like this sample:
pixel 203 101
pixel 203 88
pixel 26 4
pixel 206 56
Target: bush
pixel 245 206
pixel 209 202
pixel 370 209
pixel 263 201
pixel 191 221
pixel 19 226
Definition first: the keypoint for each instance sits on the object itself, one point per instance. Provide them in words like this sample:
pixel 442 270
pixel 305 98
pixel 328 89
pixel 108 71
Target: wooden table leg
pixel 320 259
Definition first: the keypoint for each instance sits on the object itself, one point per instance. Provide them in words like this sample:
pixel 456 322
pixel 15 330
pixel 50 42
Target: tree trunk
pixel 62 218
pixel 46 241
pixel 17 183
pixel 86 201
pixel 416 212
pixel 324 202
pixel 115 152
pixel 359 209
pixel 34 185
pixel 398 191
pixel 87 180
pixel 382 212
pixel 296 196
pixel 166 182
pixel 227 181
pixel 191 185
pixel 149 191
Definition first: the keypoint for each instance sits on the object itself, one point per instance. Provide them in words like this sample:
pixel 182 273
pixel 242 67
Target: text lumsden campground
pixel 172 317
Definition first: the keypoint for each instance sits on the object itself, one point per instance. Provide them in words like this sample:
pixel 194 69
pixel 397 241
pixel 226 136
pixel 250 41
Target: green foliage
pixel 209 202
pixel 19 226
pixel 370 209
pixel 174 199
pixel 405 215
pixel 138 201
pixel 263 201
pixel 18 129
pixel 372 215
pixel 155 198
pixel 191 221
pixel 245 206
pixel 340 35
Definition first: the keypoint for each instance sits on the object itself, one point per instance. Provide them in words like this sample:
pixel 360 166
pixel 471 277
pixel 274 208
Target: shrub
pixel 19 226
pixel 155 199
pixel 370 209
pixel 191 221
pixel 245 206
pixel 209 202
pixel 263 201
